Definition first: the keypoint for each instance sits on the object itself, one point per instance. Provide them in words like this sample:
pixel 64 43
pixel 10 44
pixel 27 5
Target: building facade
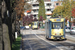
pixel 49 7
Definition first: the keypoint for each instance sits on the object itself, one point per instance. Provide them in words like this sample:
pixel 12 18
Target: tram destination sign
pixel 58 20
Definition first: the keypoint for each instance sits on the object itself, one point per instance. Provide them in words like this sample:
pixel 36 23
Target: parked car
pixel 72 30
pixel 27 27
pixel 67 29
pixel 22 27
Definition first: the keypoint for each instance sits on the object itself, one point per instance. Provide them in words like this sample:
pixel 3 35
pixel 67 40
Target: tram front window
pixel 35 24
pixel 57 25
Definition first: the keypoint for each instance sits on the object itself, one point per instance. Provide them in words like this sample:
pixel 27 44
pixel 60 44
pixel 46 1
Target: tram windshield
pixel 35 23
pixel 57 25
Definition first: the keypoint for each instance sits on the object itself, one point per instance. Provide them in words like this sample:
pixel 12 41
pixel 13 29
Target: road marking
pixel 48 42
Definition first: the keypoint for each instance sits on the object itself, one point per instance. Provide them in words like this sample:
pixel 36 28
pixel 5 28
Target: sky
pixel 53 0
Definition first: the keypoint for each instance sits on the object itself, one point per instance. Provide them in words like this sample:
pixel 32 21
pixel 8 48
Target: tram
pixel 55 28
pixel 35 25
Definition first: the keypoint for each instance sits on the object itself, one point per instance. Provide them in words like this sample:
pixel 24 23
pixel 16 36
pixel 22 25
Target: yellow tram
pixel 35 25
pixel 55 28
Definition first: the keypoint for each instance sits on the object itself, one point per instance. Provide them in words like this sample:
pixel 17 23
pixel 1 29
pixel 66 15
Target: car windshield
pixel 57 25
pixel 67 27
pixel 73 28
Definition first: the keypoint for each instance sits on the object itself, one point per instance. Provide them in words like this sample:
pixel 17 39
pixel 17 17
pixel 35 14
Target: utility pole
pixel 70 10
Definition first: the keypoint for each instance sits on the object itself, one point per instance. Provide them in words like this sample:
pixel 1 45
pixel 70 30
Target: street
pixel 35 40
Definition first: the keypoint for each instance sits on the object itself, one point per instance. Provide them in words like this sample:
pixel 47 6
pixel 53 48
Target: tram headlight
pixel 60 33
pixel 55 34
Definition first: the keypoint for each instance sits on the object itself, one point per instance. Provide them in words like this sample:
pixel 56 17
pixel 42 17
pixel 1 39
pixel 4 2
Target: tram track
pixel 39 43
pixel 34 42
pixel 66 43
pixel 53 43
pixel 27 42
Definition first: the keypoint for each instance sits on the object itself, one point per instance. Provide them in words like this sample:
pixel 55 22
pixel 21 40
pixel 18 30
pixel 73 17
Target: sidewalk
pixel 21 31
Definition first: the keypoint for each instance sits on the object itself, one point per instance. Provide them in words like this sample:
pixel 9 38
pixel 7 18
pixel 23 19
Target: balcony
pixel 48 12
pixel 35 7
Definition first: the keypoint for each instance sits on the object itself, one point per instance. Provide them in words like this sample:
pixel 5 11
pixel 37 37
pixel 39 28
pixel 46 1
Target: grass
pixel 16 44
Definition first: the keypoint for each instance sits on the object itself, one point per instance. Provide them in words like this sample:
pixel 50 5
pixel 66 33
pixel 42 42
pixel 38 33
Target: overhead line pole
pixel 70 11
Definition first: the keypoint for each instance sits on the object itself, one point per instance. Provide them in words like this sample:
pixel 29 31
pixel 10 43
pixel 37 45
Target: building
pixel 57 3
pixel 49 7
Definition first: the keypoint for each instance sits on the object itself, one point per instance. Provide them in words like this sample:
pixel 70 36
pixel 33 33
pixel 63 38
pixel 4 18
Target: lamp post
pixel 70 11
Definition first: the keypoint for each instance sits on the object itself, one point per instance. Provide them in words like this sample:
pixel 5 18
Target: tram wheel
pixel 46 36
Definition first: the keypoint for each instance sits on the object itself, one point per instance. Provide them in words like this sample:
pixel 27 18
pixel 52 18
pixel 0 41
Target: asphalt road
pixel 70 34
pixel 35 40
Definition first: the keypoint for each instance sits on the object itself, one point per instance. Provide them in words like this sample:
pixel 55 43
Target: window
pixel 73 28
pixel 28 12
pixel 57 25
pixel 52 11
pixel 34 10
pixel 57 3
pixel 67 27
pixel 48 15
pixel 35 5
pixel 48 9
pixel 34 15
pixel 49 4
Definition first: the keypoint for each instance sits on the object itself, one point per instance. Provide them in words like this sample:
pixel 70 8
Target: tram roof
pixel 54 19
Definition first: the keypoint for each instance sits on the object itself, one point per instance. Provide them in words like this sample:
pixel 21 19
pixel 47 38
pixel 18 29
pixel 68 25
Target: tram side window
pixel 57 25
pixel 47 25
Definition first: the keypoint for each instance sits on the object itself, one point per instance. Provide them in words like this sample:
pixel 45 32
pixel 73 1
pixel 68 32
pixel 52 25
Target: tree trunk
pixel 1 32
pixel 6 25
pixel 6 37
pixel 17 26
pixel 13 26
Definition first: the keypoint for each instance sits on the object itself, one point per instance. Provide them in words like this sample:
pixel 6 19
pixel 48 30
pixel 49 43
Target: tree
pixel 27 6
pixel 41 18
pixel 73 12
pixel 7 21
pixel 5 25
pixel 27 20
pixel 41 9
pixel 64 9
pixel 57 11
pixel 35 19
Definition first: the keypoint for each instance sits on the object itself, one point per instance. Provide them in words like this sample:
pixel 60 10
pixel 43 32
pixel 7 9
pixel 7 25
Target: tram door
pixel 50 27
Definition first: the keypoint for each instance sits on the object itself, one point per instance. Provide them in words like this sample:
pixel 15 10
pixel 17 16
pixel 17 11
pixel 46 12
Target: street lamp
pixel 70 10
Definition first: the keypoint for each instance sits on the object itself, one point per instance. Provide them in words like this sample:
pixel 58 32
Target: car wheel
pixel 70 33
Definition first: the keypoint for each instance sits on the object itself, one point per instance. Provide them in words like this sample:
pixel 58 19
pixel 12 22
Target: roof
pixel 28 11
